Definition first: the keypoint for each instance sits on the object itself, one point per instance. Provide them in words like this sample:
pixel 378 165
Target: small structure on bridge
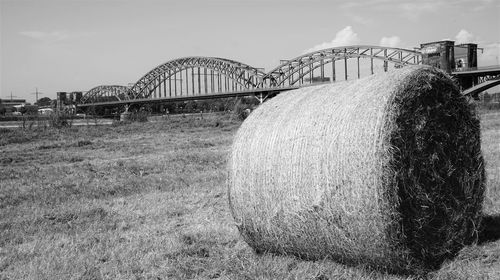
pixel 439 54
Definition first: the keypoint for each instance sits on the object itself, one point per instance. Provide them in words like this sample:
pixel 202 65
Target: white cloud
pixel 393 42
pixel 480 5
pixel 350 5
pixel 60 40
pixel 490 54
pixel 361 20
pixel 344 37
pixel 464 36
pixel 53 36
pixel 413 10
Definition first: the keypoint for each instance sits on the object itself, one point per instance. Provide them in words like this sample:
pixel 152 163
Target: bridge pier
pixel 467 81
pixel 261 97
pixel 125 116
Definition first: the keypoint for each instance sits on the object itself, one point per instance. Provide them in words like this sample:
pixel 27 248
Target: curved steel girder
pixel 482 86
pixel 243 74
pixel 279 75
pixel 116 91
pixel 242 82
pixel 482 79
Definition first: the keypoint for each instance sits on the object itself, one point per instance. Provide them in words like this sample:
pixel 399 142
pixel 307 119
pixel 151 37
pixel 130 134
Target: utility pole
pixel 37 93
pixel 11 96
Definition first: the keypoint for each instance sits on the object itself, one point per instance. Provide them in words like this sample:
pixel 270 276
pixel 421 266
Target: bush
pixel 60 121
pixel 139 116
pixel 242 110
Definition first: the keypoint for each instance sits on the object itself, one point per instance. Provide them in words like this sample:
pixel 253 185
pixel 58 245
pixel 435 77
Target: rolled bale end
pixel 385 171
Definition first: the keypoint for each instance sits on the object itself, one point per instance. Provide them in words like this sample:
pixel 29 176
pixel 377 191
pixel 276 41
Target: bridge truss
pixel 106 93
pixel 196 76
pixel 192 77
pixel 303 69
pixel 485 78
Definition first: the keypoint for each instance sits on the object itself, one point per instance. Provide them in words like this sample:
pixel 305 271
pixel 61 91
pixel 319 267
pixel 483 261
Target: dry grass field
pixel 148 201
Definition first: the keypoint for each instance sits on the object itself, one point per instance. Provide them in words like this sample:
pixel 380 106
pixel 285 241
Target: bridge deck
pixel 256 91
pixel 492 70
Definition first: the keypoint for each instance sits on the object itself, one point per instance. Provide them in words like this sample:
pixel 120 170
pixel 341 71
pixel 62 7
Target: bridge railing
pixel 481 68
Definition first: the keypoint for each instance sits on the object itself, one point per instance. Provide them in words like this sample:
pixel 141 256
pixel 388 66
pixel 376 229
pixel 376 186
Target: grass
pixel 148 201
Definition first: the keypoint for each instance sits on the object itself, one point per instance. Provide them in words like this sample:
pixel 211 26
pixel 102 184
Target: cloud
pixel 464 36
pixel 360 20
pixel 349 5
pixel 344 37
pixel 413 10
pixel 393 42
pixel 490 54
pixel 479 5
pixel 54 36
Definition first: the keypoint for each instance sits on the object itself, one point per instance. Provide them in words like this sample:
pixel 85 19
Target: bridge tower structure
pixel 439 54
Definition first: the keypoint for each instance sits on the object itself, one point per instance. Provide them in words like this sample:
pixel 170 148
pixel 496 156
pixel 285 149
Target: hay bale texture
pixel 385 171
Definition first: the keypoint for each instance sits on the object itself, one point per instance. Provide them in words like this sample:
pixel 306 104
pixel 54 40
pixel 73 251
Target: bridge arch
pixel 218 74
pixel 106 93
pixel 296 70
pixel 484 85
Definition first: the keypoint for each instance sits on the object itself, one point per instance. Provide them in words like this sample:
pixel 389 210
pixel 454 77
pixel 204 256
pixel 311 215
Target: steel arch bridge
pixel 206 77
pixel 202 75
pixel 106 93
pixel 301 69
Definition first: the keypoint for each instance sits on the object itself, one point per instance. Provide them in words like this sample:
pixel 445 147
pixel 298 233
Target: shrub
pixel 60 120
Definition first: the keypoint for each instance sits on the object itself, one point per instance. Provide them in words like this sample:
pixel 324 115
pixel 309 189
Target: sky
pixel 75 45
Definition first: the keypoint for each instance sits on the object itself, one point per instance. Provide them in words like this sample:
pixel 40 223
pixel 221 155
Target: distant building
pixel 9 106
pixel 12 102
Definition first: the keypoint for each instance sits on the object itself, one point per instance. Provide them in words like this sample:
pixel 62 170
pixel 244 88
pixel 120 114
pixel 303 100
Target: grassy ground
pixel 148 201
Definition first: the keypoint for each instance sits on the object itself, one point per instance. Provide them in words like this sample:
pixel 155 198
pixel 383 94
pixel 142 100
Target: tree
pixel 487 97
pixel 44 101
pixel 29 110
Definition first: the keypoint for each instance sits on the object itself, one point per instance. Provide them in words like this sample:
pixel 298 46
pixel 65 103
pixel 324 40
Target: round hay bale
pixel 385 171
